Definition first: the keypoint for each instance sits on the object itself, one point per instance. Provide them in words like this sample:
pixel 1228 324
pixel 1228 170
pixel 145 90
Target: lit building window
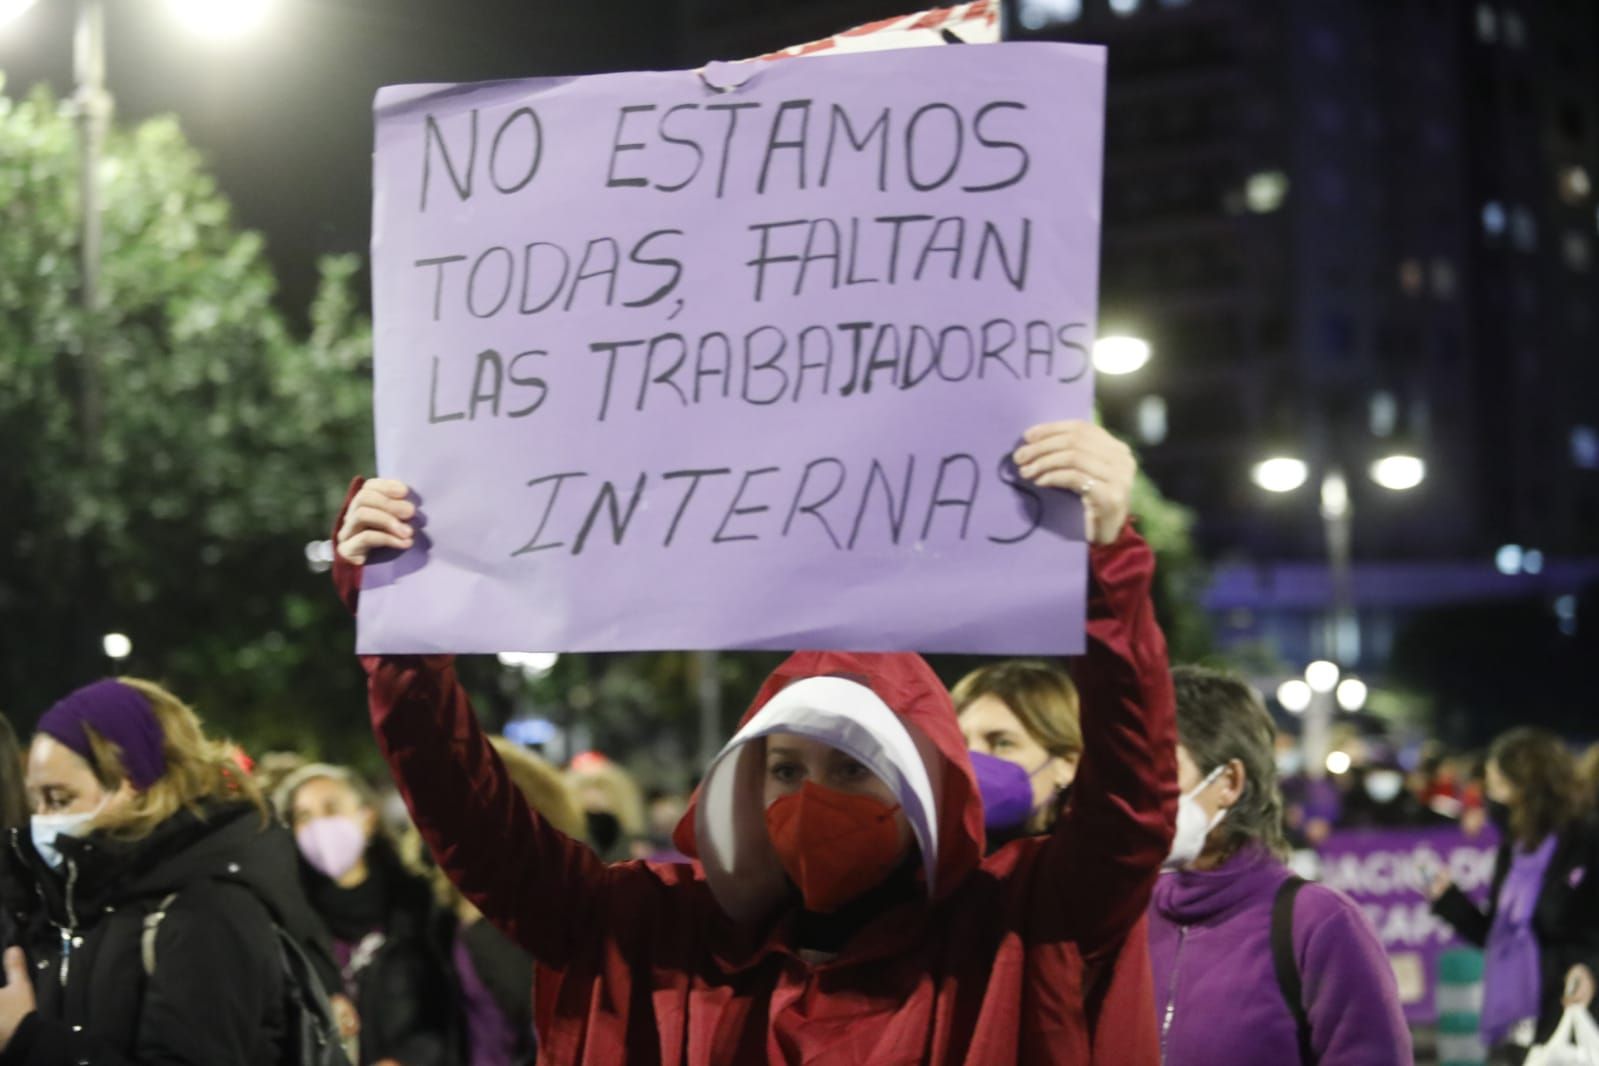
pixel 1585 447
pixel 1125 7
pixel 1523 229
pixel 1575 185
pixel 1264 192
pixel 1577 251
pixel 1487 24
pixel 1493 218
pixel 1515 30
pixel 1411 277
pixel 1566 612
pixel 1443 279
pixel 1152 420
pixel 1383 412
pixel 1036 14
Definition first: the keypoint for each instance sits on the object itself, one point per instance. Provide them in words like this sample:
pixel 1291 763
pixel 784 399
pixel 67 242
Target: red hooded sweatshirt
pixel 639 964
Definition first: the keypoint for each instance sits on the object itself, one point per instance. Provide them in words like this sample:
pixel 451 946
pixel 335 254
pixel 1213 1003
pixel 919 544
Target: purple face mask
pixel 1007 791
pixel 332 845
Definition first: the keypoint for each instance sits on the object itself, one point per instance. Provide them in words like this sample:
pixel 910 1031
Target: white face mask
pixel 45 828
pixel 1193 827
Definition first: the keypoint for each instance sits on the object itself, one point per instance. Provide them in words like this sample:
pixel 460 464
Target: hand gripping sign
pixel 735 358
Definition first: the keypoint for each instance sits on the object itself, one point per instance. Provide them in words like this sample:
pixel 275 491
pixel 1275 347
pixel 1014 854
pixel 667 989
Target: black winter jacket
pixel 217 991
pixel 399 972
pixel 1565 919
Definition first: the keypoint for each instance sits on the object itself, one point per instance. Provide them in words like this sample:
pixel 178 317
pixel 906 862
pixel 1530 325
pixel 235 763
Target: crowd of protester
pixel 1034 865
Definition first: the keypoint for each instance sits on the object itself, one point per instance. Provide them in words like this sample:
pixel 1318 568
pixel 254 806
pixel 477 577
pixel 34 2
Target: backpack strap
pixel 1286 966
pixel 152 925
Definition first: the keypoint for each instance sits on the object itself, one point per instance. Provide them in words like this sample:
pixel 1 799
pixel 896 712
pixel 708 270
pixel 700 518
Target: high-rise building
pixel 1349 229
pixel 1352 230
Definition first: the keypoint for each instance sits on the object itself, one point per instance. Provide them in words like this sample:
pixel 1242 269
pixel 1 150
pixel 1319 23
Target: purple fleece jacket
pixel 1216 994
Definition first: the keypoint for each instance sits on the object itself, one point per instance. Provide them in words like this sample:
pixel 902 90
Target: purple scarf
pixel 119 713
pixel 1512 981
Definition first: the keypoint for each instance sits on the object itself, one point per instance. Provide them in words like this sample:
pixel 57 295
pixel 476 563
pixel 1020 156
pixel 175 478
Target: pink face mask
pixel 332 845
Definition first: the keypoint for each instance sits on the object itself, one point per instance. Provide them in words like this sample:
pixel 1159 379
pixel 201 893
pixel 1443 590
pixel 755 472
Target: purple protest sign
pixel 1386 872
pixel 736 358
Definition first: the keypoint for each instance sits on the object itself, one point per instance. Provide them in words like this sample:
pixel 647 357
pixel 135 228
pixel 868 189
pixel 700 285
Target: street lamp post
pixel 1340 636
pixel 1341 640
pixel 92 106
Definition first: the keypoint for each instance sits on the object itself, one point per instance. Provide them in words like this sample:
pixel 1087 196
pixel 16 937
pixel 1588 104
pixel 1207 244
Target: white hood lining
pixel 730 826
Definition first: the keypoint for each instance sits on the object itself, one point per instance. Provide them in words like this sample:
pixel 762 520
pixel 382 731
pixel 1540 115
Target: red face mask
pixel 834 845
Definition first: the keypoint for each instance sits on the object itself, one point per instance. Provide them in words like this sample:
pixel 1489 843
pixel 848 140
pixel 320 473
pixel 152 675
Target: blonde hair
pixel 1041 696
pixel 198 769
pixel 274 767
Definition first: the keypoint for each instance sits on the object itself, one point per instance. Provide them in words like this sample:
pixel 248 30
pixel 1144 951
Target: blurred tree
pixel 224 443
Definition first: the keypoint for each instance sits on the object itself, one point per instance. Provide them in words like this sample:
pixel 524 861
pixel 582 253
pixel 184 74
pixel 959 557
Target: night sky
pixel 284 116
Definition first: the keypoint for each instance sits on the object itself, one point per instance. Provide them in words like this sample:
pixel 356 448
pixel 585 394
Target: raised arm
pixel 1457 909
pixel 1098 867
pixel 1106 852
pixel 540 887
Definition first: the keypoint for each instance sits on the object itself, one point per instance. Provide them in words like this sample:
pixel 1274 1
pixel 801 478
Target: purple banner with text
pixel 1386 872
pixel 735 358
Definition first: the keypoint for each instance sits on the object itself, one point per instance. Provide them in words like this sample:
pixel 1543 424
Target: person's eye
pixel 787 772
pixel 1002 743
pixel 852 771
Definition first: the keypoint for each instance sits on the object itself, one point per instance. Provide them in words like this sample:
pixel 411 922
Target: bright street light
pixel 319 556
pixel 1294 695
pixel 117 645
pixel 1265 191
pixel 1399 473
pixel 1120 355
pixel 532 664
pixel 1352 694
pixel 13 9
pixel 1338 762
pixel 221 19
pixel 1507 560
pixel 1322 676
pixel 1281 473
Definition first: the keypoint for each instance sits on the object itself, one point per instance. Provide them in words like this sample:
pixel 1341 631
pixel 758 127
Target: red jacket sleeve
pixel 1098 867
pixel 541 888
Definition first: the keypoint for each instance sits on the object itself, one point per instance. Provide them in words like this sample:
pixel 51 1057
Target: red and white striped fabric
pixel 973 23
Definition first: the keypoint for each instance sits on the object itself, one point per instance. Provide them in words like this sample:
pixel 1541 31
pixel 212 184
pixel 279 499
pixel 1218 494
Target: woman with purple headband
pixel 144 892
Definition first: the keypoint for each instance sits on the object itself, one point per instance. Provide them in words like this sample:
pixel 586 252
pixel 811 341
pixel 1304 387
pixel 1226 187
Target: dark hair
pixel 13 797
pixel 1221 718
pixel 1544 773
pixel 1042 697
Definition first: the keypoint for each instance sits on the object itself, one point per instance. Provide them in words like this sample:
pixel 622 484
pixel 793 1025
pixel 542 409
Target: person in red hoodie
pixel 841 910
